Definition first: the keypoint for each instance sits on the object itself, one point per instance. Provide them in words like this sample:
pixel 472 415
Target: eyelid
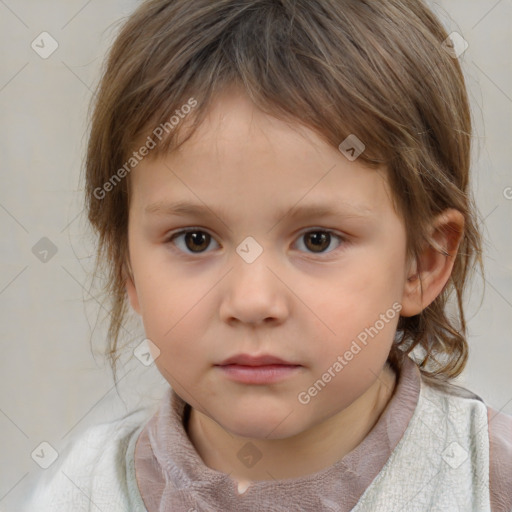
pixel 344 239
pixel 183 231
pixel 186 230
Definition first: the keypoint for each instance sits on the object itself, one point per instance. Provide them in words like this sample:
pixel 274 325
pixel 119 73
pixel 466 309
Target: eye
pixel 320 239
pixel 196 241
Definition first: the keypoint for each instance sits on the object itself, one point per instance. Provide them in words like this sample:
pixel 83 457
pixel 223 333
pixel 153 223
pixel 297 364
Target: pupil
pixel 198 238
pixel 320 240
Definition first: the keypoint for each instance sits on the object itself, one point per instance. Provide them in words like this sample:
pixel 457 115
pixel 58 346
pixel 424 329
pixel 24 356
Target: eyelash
pixel 170 239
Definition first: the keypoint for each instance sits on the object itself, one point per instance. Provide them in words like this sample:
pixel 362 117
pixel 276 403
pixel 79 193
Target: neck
pixel 305 453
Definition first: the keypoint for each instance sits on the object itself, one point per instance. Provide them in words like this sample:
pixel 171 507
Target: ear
pixel 430 272
pixel 130 288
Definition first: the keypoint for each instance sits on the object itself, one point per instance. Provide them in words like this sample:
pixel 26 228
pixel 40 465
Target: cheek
pixel 181 357
pixel 172 321
pixel 357 299
pixel 361 310
pixel 163 298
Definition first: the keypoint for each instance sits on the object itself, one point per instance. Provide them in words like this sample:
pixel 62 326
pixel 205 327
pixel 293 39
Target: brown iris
pixel 199 239
pixel 319 240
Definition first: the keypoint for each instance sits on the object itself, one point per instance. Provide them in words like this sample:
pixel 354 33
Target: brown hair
pixel 373 68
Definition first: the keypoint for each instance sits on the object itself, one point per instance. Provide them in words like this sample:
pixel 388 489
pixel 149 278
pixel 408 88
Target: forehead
pixel 239 153
pixel 234 126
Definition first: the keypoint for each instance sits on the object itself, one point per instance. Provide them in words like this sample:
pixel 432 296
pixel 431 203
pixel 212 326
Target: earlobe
pixel 130 289
pixel 432 268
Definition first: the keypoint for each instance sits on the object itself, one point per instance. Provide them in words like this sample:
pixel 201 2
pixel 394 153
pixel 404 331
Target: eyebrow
pixel 339 209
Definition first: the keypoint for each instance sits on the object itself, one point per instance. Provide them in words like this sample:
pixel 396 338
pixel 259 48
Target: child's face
pixel 305 299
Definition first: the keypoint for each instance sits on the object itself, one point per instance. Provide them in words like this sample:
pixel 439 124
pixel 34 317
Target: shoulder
pixel 460 408
pixel 500 455
pixel 91 471
pixel 499 429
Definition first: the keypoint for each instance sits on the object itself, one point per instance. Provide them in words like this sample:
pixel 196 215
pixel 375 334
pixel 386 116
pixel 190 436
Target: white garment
pixel 96 473
pixel 441 464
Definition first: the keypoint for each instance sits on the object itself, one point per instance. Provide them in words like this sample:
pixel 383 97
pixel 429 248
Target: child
pixel 281 192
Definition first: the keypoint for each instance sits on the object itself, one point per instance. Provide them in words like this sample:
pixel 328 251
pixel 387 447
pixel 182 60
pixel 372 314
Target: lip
pixel 257 369
pixel 260 360
pixel 260 374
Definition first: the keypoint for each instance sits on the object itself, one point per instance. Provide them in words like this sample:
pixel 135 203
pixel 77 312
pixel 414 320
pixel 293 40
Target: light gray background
pixel 52 385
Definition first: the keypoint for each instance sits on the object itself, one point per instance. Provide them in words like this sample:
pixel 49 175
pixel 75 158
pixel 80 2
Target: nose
pixel 254 293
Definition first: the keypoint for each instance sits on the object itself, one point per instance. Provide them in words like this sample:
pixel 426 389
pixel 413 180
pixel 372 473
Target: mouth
pixel 261 374
pixel 262 369
pixel 256 360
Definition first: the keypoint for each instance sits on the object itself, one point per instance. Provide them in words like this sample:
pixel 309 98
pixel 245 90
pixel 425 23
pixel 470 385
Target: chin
pixel 258 427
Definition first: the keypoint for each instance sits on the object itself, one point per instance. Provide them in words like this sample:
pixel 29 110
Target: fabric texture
pixel 428 451
pixel 500 478
pixel 441 463
pixel 94 473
